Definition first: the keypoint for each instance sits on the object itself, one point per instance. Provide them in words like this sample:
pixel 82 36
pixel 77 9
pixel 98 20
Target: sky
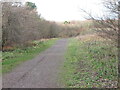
pixel 67 10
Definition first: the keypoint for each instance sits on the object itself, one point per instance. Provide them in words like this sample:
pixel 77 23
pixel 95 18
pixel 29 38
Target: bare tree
pixel 22 24
pixel 107 26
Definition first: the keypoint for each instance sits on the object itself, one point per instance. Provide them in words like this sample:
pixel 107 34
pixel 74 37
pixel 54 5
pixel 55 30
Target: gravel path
pixel 40 72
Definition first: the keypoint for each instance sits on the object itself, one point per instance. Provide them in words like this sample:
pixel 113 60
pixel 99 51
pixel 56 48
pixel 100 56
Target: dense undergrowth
pixel 90 64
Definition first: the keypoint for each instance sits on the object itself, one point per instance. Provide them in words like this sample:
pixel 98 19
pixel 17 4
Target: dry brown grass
pixel 90 37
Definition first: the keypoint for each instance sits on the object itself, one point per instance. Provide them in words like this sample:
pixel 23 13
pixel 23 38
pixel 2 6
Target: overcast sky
pixel 62 10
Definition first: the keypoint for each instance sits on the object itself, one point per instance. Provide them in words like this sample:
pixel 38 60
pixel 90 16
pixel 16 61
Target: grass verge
pixel 11 59
pixel 90 64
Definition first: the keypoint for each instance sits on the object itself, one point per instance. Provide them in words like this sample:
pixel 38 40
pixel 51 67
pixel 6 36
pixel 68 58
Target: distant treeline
pixel 22 24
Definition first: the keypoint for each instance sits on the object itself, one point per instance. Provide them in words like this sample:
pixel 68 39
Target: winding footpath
pixel 40 72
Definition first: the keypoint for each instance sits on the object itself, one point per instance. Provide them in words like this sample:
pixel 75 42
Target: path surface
pixel 40 72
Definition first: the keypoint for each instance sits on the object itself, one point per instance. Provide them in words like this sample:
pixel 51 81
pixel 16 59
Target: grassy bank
pixel 89 64
pixel 13 58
